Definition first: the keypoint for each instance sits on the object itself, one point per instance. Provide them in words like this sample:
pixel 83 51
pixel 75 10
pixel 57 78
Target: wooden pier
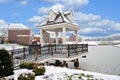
pixel 43 54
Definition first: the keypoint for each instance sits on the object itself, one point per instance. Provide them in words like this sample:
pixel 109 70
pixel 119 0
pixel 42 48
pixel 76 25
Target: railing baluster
pixel 82 48
pixel 68 50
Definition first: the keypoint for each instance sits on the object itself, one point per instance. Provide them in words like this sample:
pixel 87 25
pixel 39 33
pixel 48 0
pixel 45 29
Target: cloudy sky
pixel 96 18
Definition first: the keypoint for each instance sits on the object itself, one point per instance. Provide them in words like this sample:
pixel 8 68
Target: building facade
pixel 19 34
pixel 73 38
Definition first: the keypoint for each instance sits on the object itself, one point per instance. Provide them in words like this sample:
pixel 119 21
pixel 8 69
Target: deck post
pixel 87 47
pixel 55 48
pixel 51 50
pixel 64 63
pixel 76 49
pixel 68 50
pixel 23 53
pixel 40 49
pixel 47 63
pixel 48 46
pixel 77 60
pixel 76 63
pixel 36 54
pixel 82 48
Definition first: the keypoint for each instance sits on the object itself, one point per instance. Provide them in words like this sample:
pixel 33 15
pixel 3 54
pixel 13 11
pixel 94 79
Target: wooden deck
pixel 42 54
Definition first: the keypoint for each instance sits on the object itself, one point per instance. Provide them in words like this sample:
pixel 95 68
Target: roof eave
pixel 59 25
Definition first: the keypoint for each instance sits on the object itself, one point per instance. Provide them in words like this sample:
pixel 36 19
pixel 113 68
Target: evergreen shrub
pixel 6 66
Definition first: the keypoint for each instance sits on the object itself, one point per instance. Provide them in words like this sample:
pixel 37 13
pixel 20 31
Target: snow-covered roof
pixel 59 17
pixel 18 26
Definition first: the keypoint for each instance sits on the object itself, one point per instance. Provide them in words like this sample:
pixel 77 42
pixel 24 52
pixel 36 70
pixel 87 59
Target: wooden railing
pixel 38 52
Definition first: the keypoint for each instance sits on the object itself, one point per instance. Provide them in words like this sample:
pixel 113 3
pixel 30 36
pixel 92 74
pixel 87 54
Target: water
pixel 103 59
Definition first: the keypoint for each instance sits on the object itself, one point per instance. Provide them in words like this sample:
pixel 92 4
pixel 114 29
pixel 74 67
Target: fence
pixel 38 52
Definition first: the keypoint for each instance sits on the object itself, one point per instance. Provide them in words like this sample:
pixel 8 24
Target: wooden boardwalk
pixel 42 54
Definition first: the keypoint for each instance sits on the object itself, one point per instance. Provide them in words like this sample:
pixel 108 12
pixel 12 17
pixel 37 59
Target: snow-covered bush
pixel 6 66
pixel 26 76
pixel 7 78
pixel 39 70
pixel 30 65
pixel 27 65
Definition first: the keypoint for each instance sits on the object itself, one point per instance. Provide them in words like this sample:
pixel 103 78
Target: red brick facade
pixel 73 38
pixel 19 36
pixel 46 37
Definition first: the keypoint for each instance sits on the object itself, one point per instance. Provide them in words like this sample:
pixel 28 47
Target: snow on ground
pixel 58 73
pixel 95 43
pixel 117 45
pixel 18 72
pixel 84 42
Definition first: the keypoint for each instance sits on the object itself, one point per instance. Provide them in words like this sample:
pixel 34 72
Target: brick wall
pixel 13 36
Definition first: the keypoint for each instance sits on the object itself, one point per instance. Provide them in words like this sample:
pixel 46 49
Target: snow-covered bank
pixel 91 43
pixel 84 42
pixel 58 73
pixel 117 45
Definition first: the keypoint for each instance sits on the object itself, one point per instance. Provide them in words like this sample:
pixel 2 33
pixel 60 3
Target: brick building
pixel 19 33
pixel 73 38
pixel 48 37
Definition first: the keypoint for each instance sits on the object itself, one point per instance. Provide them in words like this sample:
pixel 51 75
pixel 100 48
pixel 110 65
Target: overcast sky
pixel 96 18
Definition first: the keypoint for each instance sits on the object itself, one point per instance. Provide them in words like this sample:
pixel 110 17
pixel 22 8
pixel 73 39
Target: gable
pixel 69 16
pixel 51 16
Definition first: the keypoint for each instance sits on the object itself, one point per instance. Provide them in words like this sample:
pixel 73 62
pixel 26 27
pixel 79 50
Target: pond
pixel 103 59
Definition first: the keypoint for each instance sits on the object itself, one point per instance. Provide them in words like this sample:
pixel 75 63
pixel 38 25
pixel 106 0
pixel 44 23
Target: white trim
pixel 64 35
pixel 41 40
pixel 76 37
pixel 56 37
pixel 60 25
pixel 23 35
